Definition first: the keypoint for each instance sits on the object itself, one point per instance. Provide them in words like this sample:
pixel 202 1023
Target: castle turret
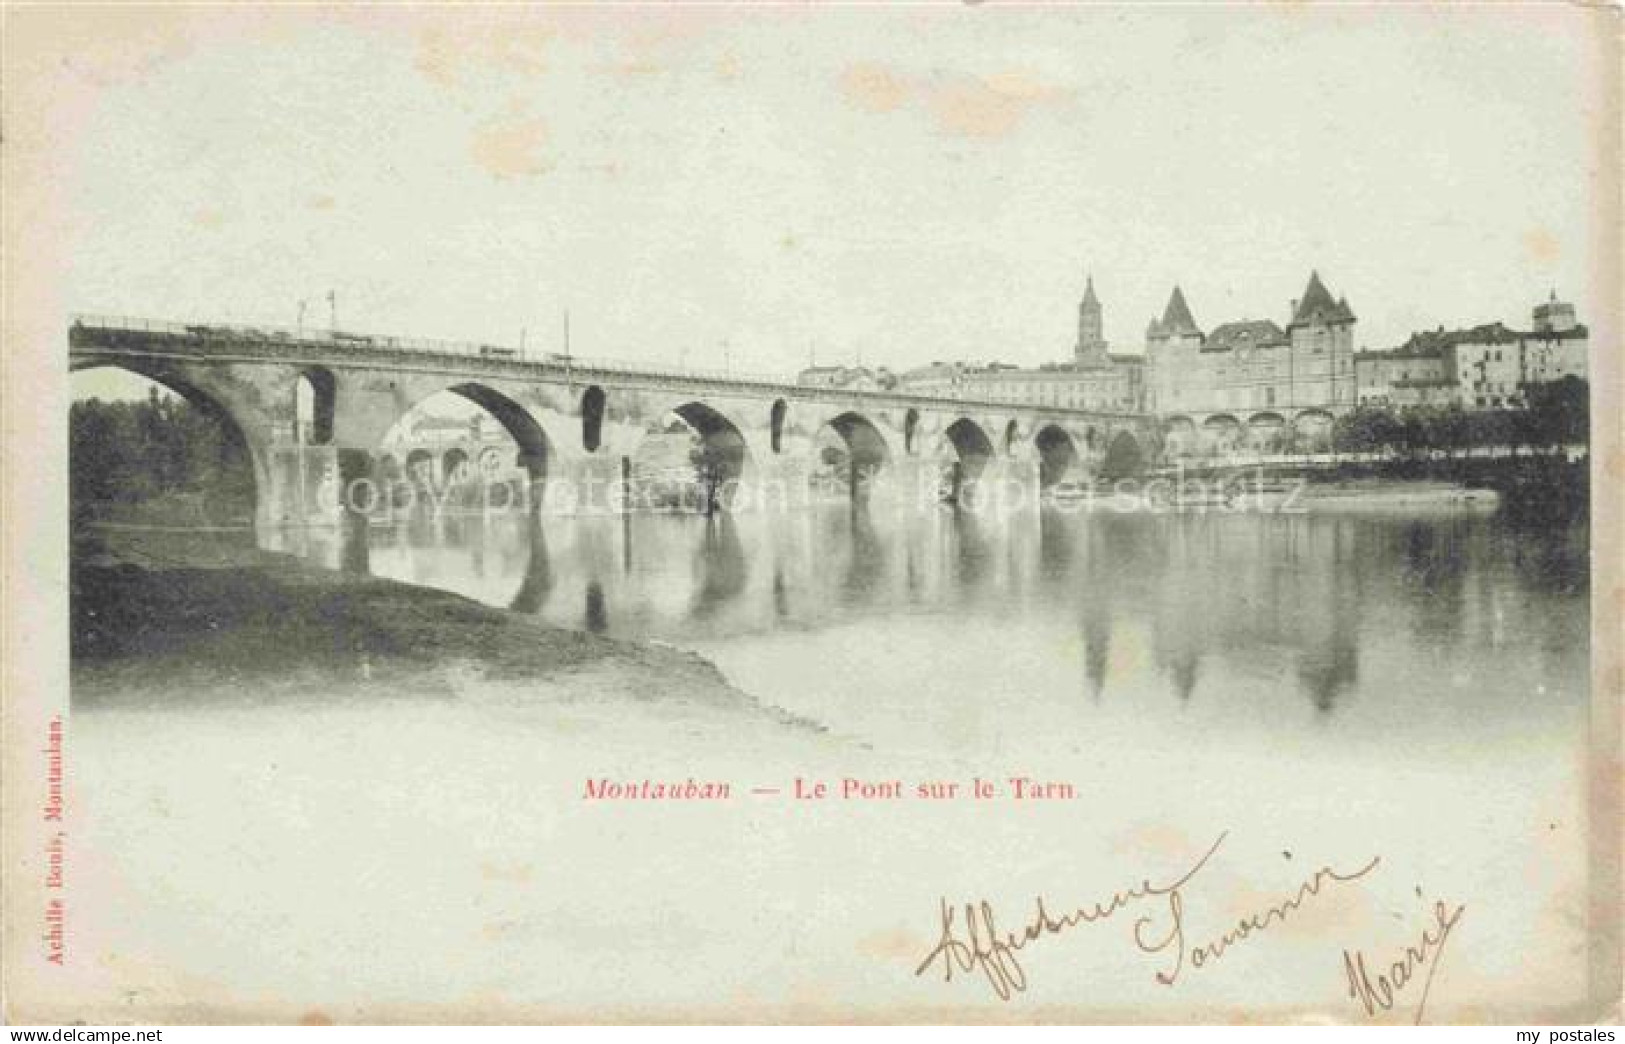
pixel 1321 338
pixel 1172 344
pixel 1176 320
pixel 1316 307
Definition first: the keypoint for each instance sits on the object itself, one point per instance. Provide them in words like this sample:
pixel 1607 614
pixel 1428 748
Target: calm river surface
pixel 897 626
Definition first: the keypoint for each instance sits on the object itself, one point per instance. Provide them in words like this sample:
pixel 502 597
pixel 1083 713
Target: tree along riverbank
pixel 161 618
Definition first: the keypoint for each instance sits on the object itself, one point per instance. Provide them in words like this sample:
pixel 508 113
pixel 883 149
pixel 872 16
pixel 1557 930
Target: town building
pixel 430 448
pixel 1405 377
pixel 1253 364
pixel 852 378
pixel 1485 367
pixel 943 379
pixel 1095 378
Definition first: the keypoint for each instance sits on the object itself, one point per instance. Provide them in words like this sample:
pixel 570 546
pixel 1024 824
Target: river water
pixel 1312 629
pixel 1319 689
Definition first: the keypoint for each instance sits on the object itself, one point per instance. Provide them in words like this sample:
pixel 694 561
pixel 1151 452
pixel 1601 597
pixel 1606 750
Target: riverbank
pixel 1541 489
pixel 170 617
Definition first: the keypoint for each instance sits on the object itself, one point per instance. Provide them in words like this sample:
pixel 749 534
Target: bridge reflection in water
pixel 1244 618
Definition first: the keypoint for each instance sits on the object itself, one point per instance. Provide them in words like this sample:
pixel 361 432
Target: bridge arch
pixel 1125 457
pixel 1057 454
pixel 1266 430
pixel 1179 434
pixel 420 467
pixel 866 450
pixel 1222 431
pixel 971 446
pixel 1312 430
pixel 724 454
pixel 243 449
pixel 775 424
pixel 535 449
pixel 454 466
pixel 315 391
pixel 592 418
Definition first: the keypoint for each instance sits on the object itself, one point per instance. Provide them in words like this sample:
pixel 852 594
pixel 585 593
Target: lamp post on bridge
pixel 569 370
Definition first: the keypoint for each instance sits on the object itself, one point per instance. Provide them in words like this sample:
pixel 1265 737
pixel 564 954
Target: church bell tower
pixel 1091 349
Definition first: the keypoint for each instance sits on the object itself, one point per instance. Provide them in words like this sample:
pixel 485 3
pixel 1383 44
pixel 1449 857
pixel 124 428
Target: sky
pixel 886 183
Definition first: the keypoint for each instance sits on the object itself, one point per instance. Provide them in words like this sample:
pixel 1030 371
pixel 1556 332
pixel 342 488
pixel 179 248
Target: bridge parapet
pixel 265 342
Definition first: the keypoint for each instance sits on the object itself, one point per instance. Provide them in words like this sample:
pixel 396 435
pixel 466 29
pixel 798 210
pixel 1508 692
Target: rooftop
pixel 1176 318
pixel 1244 333
pixel 1317 306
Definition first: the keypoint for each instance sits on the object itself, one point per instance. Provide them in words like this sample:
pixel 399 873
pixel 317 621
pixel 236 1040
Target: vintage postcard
pixel 880 513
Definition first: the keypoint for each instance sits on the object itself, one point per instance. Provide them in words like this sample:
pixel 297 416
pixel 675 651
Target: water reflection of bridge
pixel 1199 602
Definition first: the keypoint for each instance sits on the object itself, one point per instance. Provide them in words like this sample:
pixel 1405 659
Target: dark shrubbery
pixel 162 454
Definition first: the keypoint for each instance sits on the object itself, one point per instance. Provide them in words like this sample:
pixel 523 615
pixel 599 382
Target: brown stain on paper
pixel 510 147
pixel 874 88
pixel 962 105
pixel 986 108
pixel 448 59
pixel 894 944
pixel 1542 246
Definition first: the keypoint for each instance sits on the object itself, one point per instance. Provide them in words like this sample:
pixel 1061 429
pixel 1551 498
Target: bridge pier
pixel 1004 484
pixel 354 472
pixel 583 484
pixel 301 485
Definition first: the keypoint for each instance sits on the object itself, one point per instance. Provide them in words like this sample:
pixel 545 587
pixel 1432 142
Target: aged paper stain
pixel 510 147
pixel 894 944
pixel 1542 246
pixel 874 87
pixel 984 108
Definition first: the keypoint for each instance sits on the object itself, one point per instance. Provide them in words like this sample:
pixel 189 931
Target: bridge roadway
pixel 580 421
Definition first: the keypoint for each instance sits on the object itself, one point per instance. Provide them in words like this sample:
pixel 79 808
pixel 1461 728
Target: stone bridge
pixel 579 422
pixel 1219 431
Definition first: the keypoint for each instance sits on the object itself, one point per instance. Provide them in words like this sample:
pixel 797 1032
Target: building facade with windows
pixel 856 378
pixel 1486 367
pixel 1253 364
pixel 1095 378
pixel 1251 383
pixel 1403 378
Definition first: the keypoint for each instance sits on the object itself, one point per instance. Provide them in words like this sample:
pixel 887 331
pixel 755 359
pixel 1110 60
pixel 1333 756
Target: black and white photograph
pixel 853 513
